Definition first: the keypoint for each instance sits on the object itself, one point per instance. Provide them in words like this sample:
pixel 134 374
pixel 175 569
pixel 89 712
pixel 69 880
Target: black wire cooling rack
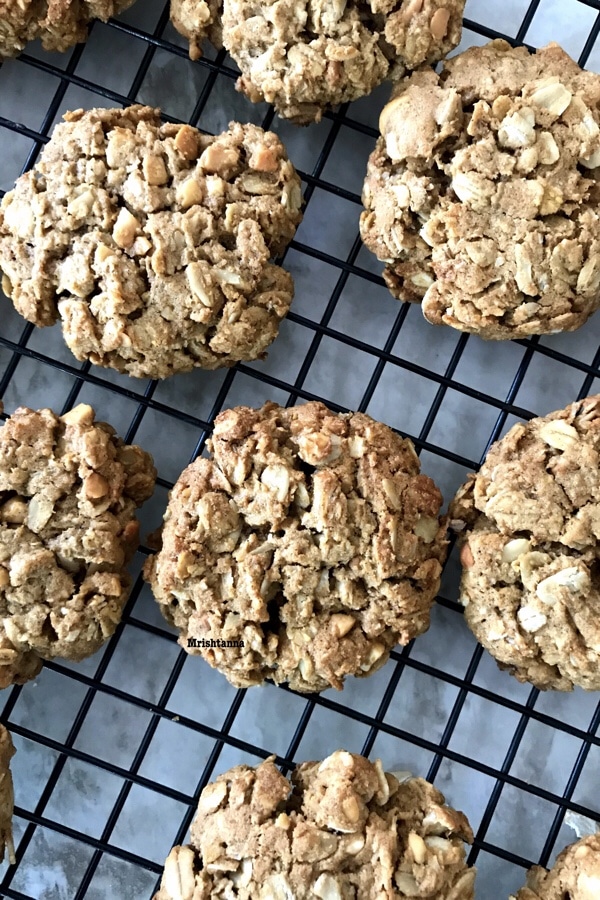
pixel 113 753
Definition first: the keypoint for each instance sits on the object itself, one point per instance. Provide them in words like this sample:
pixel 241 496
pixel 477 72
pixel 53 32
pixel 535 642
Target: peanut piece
pixel 189 193
pixel 95 486
pixel 39 512
pixel 351 809
pixel 125 229
pixel 375 653
pixel 548 148
pixel 14 511
pixel 341 624
pixel 427 528
pixel 514 549
pixel 7 286
pixel 187 142
pixel 391 493
pixel 551 201
pixel 154 170
pixel 417 846
pixel 217 159
pixel 411 9
pixel 82 414
pixel 466 556
pixel 439 23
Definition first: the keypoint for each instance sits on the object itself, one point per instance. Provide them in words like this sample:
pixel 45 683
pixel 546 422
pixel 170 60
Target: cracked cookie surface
pixel 305 56
pixel 482 194
pixel 529 526
pixel 342 829
pixel 310 537
pixel 575 874
pixel 7 800
pixel 58 23
pixel 151 242
pixel 69 488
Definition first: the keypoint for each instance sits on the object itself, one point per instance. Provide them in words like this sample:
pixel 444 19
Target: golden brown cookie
pixel 574 875
pixel 529 529
pixel 69 488
pixel 482 195
pixel 58 23
pixel 343 828
pixel 305 57
pixel 151 242
pixel 303 551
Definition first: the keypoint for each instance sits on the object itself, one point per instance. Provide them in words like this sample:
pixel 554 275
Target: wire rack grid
pixel 113 753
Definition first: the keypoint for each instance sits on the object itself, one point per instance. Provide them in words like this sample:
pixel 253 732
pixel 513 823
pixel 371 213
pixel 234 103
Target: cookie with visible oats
pixel 482 193
pixel 58 23
pixel 305 57
pixel 342 828
pixel 151 242
pixel 529 528
pixel 303 550
pixel 69 488
pixel 575 874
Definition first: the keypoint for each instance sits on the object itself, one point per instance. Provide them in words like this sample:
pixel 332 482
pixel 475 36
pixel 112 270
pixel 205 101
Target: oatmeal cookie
pixel 69 488
pixel 58 23
pixel 343 828
pixel 7 800
pixel 198 20
pixel 529 527
pixel 305 57
pixel 309 540
pixel 575 874
pixel 482 193
pixel 151 242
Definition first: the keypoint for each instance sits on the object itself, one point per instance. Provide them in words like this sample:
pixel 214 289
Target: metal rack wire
pixel 108 859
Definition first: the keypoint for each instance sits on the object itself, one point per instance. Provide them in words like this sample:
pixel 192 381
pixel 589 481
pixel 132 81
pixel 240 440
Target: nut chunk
pixel 575 874
pixel 69 488
pixel 482 193
pixel 303 551
pixel 151 242
pixel 343 828
pixel 59 25
pixel 306 56
pixel 7 802
pixel 529 527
